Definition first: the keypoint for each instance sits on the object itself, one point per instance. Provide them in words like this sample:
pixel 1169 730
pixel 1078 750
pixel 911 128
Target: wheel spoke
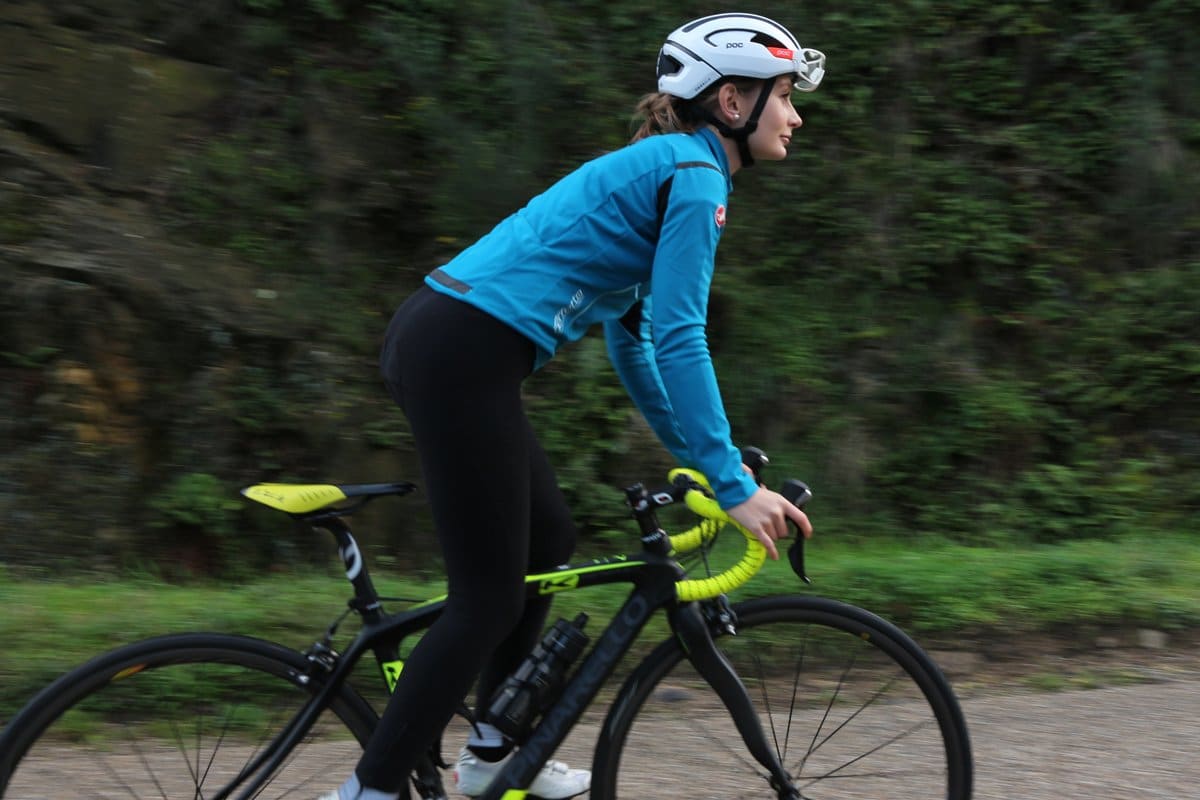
pixel 796 673
pixel 813 745
pixel 852 717
pixel 869 715
pixel 150 771
pixel 187 714
pixel 866 754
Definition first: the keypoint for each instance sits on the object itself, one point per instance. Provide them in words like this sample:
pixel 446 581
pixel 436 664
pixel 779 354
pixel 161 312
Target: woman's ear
pixel 729 104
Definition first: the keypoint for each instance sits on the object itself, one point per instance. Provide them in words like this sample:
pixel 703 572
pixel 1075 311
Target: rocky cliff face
pixel 114 102
pixel 130 358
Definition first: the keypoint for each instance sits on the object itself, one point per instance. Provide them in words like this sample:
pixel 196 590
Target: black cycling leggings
pixel 457 373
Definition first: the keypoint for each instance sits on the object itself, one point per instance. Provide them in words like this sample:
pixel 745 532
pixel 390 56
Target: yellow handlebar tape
pixel 714 519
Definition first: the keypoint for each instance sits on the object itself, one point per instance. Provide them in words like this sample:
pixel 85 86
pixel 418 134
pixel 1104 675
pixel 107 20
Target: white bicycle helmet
pixel 703 51
pixel 711 49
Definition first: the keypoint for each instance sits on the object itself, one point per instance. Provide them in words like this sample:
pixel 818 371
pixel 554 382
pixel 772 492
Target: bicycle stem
pixel 693 632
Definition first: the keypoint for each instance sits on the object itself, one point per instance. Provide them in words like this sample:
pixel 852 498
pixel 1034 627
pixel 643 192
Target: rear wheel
pixel 851 704
pixel 178 717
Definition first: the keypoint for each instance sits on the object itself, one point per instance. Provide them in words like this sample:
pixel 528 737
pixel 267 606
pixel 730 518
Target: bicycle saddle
pixel 302 498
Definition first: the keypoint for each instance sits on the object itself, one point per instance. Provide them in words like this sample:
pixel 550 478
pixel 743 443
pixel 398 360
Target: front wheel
pixel 853 707
pixel 178 717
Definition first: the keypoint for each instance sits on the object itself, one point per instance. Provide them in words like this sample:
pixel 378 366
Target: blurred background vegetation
pixel 966 307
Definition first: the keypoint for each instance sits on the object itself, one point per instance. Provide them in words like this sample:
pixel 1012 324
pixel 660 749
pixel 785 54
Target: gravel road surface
pixel 1135 736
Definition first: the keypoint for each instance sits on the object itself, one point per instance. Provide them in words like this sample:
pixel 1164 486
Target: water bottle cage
pixel 536 684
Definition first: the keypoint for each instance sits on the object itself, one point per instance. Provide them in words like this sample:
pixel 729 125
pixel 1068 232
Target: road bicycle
pixel 790 696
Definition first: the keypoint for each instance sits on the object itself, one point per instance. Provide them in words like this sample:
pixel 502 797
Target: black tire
pixel 853 707
pixel 177 717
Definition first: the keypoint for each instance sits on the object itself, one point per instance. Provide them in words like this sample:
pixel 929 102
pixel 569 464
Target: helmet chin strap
pixel 742 135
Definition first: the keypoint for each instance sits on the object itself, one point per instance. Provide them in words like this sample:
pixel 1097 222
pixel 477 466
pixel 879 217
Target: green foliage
pixel 249 192
pixel 1123 582
pixel 587 426
pixel 199 515
pixel 308 11
pixel 22 212
pixel 966 304
pixel 1001 205
pixel 198 501
pixel 959 308
pixel 261 405
pixel 387 434
pixel 35 359
pixel 505 86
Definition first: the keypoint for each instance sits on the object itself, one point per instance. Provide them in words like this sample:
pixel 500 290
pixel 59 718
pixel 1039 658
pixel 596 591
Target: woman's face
pixel 779 119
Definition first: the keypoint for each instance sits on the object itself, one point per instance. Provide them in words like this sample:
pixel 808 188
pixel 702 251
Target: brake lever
pixel 755 459
pixel 799 494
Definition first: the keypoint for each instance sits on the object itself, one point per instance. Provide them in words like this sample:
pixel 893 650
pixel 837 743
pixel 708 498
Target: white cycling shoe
pixel 351 790
pixel 556 781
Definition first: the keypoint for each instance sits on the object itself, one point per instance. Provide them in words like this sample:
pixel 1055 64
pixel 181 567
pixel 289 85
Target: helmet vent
pixel 668 65
pixel 767 41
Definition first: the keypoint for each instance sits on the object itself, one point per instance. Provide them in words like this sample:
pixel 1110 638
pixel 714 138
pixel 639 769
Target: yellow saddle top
pixel 305 498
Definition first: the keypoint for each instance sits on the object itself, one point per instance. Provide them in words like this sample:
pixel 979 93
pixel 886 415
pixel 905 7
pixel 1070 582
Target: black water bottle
pixel 536 684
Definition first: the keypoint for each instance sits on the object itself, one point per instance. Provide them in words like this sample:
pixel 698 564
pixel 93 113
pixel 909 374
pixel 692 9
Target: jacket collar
pixel 714 145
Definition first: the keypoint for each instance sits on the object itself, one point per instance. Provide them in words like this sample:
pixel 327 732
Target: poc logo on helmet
pixel 733 44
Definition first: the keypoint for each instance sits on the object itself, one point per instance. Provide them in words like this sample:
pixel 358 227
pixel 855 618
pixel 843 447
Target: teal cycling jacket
pixel 628 241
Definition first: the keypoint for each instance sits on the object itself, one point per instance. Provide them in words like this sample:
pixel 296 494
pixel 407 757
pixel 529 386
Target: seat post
pixel 366 599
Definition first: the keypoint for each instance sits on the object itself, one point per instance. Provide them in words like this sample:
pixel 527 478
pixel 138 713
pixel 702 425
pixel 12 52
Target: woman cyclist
pixel 626 241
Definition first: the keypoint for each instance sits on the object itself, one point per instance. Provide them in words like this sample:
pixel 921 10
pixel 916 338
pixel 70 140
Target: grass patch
pixel 925 586
pixel 936 586
pixel 1084 679
pixel 1047 682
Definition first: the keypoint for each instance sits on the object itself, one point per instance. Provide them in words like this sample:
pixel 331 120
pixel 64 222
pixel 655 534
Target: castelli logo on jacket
pixel 720 216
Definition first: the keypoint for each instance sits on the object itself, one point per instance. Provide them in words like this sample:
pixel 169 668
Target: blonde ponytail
pixel 665 113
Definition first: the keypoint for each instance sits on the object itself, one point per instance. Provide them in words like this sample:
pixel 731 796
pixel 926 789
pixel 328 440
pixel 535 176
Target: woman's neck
pixel 732 154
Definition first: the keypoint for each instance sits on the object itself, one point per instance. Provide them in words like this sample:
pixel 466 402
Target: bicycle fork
pixel 693 632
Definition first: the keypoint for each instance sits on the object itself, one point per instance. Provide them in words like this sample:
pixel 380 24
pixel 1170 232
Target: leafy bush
pixel 201 517
pixel 966 304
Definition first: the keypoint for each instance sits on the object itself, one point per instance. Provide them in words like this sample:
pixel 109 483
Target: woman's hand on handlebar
pixel 765 514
